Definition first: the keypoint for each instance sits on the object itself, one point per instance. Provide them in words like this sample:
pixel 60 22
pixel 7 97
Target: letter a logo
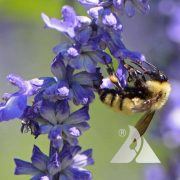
pixel 135 148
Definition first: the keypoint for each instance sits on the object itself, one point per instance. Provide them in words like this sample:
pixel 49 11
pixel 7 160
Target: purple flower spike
pixel 76 77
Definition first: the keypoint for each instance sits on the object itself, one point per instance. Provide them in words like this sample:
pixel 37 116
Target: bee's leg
pixel 144 122
pixel 146 105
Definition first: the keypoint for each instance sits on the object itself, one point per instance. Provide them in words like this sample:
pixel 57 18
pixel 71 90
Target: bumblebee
pixel 147 91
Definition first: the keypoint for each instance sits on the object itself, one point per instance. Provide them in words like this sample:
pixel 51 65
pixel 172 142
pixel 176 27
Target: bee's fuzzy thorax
pixel 157 87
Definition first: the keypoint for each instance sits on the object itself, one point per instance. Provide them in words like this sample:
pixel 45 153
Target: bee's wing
pixel 144 122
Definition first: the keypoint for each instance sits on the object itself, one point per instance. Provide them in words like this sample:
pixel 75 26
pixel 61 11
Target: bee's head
pixel 157 76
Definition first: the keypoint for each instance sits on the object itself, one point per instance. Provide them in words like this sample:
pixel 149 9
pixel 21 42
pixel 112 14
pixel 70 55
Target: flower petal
pixel 47 111
pixel 95 12
pixel 121 74
pixel 72 52
pixel 78 116
pixel 42 82
pixel 61 48
pixel 83 126
pixel 16 81
pixel 89 64
pixel 63 89
pixel 89 3
pixel 55 135
pixel 78 174
pixel 45 129
pixel 42 176
pixel 39 159
pixel 14 108
pixel 82 95
pixel 67 25
pixel 76 62
pixel 83 159
pixel 54 165
pixel 100 57
pixel 23 167
pixel 63 177
pixel 72 141
pixel 59 91
pixel 84 35
pixel 83 78
pixel 71 131
pixel 58 67
pixel 136 56
pixel 62 111
pixel 108 18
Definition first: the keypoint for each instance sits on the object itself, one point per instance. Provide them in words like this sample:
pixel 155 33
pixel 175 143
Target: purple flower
pixel 83 56
pixel 77 87
pixel 15 104
pixel 68 164
pixel 105 18
pixel 70 24
pixel 56 120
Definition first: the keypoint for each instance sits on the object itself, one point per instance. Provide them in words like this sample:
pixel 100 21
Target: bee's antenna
pixel 139 64
pixel 154 67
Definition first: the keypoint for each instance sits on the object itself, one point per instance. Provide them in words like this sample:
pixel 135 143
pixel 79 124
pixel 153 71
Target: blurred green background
pixel 26 50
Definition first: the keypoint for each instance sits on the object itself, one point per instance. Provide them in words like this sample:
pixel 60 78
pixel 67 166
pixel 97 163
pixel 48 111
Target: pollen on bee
pixel 113 79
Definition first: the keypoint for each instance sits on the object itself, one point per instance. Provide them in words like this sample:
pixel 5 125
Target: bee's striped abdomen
pixel 111 98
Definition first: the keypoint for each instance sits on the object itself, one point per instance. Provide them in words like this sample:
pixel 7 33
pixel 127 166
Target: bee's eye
pixel 163 77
